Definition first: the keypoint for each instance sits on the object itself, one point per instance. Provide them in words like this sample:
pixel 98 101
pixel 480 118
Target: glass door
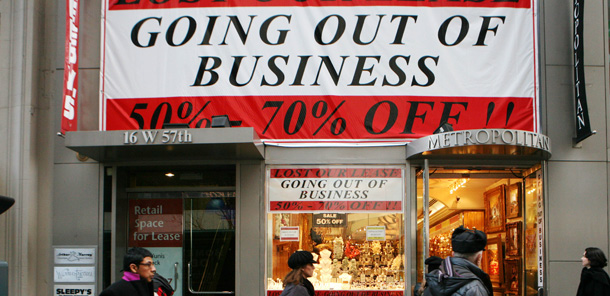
pixel 210 242
pixel 191 235
pixel 502 202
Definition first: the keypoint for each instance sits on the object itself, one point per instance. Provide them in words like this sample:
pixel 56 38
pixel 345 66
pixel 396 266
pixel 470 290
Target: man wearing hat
pixel 460 274
pixel 296 282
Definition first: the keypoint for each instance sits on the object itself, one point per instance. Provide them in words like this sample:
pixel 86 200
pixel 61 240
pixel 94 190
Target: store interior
pixel 348 258
pixel 503 204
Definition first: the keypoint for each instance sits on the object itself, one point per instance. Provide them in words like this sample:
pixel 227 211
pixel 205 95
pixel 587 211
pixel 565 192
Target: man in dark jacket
pixel 460 274
pixel 138 273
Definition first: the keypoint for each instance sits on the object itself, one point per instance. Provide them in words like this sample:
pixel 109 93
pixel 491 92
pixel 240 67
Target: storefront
pixel 362 217
pixel 339 142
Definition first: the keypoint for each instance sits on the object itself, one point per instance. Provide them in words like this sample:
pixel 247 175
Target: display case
pixel 358 242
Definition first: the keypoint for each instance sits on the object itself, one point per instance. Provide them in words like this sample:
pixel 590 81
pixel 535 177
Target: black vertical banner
pixel 583 127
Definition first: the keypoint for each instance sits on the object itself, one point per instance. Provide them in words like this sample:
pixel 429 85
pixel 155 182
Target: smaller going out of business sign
pixel 289 233
pixel 375 233
pixel 335 189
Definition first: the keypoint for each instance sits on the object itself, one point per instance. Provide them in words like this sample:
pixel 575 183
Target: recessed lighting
pixel 169 175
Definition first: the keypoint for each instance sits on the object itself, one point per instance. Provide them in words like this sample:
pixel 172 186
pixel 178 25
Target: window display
pixel 358 251
pixel 350 218
pixel 502 203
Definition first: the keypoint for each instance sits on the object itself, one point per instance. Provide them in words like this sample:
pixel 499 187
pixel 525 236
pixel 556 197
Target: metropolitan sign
pixel 312 71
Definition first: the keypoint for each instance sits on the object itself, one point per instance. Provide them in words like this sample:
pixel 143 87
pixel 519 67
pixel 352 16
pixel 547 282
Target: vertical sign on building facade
pixel 74 270
pixel 303 73
pixel 583 127
pixel 70 92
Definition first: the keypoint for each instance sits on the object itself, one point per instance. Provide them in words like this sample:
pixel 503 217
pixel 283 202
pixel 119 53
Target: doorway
pixel 186 217
pixel 505 203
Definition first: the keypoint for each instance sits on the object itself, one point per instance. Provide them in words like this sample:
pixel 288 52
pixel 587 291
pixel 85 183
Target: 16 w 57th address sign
pixel 305 72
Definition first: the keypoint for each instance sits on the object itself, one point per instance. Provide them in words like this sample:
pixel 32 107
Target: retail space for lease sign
pixel 310 72
pixel 335 189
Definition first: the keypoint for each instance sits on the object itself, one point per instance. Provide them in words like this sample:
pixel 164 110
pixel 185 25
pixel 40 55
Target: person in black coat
pixel 594 280
pixel 138 272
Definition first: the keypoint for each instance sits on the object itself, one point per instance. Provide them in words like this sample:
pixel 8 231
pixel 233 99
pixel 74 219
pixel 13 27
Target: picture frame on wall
pixel 513 238
pixel 514 198
pixel 494 260
pixel 512 271
pixel 494 210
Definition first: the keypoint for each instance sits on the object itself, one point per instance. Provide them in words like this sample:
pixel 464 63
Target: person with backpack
pixel 460 274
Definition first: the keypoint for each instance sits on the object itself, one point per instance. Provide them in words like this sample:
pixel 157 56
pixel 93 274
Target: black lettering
pixel 442 32
pixel 243 35
pixel 235 70
pixel 396 69
pixel 358 31
pixel 360 68
pixel 447 111
pixel 298 78
pixel 413 114
pixel 278 73
pixel 424 68
pixel 203 69
pixel 192 26
pixel 265 27
pixel 400 32
pixel 331 69
pixel 485 27
pixel 136 30
pixel 338 33
pixel 209 29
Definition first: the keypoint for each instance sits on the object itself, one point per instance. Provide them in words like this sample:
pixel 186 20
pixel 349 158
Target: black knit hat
pixel 433 262
pixel 300 258
pixel 467 241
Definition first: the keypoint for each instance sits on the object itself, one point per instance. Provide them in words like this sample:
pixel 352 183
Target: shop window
pixel 351 218
pixel 355 251
pixel 503 204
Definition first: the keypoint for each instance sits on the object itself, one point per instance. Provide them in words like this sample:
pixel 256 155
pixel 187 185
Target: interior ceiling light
pixel 170 174
pixel 459 183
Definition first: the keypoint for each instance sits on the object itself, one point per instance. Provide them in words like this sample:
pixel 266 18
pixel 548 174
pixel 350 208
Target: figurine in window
pixel 338 248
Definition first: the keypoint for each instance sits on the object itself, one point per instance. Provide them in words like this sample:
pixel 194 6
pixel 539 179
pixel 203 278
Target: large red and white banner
pixel 321 71
pixel 70 90
pixel 343 189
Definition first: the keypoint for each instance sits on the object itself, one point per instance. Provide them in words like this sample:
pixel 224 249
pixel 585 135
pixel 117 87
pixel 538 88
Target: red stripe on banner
pixel 164 4
pixel 70 92
pixel 336 173
pixel 310 118
pixel 334 206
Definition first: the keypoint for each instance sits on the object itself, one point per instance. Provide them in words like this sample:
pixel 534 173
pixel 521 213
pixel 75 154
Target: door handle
pixel 540 291
pixel 175 275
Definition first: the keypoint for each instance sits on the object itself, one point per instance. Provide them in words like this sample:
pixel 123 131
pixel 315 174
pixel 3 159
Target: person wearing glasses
pixel 138 273
pixel 594 280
